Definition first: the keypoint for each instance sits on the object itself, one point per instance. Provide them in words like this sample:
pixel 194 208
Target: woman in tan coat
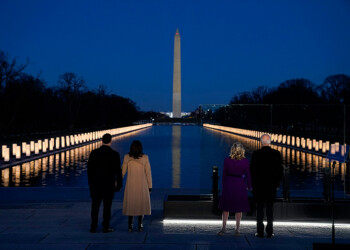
pixel 138 185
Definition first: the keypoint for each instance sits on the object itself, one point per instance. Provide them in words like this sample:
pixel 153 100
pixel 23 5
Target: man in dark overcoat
pixel 266 172
pixel 105 177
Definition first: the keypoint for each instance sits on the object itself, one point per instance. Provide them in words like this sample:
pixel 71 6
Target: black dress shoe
pixel 270 235
pixel 259 235
pixel 140 229
pixel 108 230
pixel 92 230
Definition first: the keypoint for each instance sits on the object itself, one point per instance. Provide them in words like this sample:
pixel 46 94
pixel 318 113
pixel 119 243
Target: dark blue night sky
pixel 227 46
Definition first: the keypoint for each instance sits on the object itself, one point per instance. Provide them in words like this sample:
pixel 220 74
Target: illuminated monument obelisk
pixel 177 77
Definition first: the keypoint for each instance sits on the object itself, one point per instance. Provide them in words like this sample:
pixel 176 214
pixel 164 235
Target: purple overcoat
pixel 235 181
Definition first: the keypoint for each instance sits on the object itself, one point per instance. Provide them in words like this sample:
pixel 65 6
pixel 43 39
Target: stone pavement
pixel 59 218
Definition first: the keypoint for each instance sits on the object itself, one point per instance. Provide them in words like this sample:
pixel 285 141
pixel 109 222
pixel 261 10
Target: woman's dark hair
pixel 136 149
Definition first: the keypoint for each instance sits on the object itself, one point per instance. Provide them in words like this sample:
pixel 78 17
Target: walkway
pixel 58 218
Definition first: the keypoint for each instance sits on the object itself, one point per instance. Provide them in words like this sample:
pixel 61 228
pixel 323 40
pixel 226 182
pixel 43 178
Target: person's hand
pixel 150 190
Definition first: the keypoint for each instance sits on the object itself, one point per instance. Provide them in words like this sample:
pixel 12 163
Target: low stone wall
pixel 203 207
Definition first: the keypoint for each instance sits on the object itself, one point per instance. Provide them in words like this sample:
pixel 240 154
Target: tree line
pixel 296 107
pixel 334 90
pixel 28 106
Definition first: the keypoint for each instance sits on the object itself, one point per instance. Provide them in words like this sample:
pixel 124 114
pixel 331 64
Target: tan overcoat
pixel 136 195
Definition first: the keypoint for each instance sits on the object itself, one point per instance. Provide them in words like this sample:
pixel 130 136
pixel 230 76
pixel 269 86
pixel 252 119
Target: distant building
pixel 170 114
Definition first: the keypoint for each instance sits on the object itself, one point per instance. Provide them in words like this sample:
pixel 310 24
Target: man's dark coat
pixel 103 171
pixel 266 171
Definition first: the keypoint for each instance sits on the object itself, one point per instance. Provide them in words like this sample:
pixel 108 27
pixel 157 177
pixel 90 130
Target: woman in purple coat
pixel 235 182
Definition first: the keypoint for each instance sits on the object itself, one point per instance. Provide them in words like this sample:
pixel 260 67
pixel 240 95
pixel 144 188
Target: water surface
pixel 180 157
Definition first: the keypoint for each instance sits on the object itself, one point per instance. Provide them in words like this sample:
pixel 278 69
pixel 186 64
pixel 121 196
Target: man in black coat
pixel 266 171
pixel 105 177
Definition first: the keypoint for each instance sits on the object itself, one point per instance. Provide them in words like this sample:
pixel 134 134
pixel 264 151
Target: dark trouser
pixel 95 207
pixel 260 217
pixel 130 219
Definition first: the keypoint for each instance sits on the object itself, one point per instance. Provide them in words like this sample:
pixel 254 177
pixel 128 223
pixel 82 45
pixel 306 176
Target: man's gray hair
pixel 265 139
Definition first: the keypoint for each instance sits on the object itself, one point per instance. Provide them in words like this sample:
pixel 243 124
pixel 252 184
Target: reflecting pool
pixel 180 157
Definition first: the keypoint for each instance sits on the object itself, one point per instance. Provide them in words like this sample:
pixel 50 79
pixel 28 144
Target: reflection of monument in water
pixel 176 156
pixel 177 77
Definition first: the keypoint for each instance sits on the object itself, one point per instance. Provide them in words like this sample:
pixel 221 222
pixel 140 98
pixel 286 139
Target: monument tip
pixel 177 31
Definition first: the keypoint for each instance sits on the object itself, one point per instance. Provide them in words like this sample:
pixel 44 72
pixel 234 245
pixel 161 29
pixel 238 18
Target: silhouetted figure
pixel 267 171
pixel 138 185
pixel 105 177
pixel 235 182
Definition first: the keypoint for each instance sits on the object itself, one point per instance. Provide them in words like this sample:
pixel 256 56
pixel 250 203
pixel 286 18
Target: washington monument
pixel 177 77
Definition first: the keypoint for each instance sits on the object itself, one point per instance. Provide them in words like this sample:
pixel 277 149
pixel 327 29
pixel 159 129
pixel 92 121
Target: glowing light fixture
pixel 253 223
